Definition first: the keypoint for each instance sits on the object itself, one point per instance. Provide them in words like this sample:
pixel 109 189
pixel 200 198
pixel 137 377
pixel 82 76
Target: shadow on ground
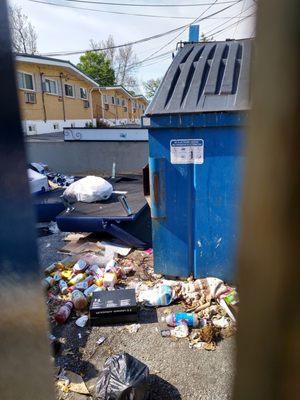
pixel 161 389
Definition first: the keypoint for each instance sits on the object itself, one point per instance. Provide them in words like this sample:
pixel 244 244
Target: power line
pixel 226 22
pixel 229 26
pixel 236 27
pixel 148 5
pixel 147 39
pixel 198 19
pixel 109 12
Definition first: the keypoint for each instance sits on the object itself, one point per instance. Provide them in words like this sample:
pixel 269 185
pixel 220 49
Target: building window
pixel 31 128
pixel 69 90
pixel 83 93
pixel 105 99
pixel 25 81
pixel 117 101
pixel 51 86
pixel 112 100
pixel 86 104
pixel 123 102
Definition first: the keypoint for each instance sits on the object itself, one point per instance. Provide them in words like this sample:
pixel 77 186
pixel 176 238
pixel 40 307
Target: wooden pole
pixel 269 326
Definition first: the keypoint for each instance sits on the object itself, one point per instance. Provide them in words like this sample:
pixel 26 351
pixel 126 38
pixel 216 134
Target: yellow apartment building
pixel 52 94
pixel 117 106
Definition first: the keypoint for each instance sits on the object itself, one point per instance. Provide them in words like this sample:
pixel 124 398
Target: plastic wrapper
pixel 88 190
pixel 123 378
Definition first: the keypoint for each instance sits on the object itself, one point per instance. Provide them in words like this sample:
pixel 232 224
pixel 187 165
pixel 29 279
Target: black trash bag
pixel 123 378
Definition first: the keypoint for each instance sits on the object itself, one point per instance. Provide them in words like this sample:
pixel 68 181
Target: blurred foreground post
pixel 269 327
pixel 24 348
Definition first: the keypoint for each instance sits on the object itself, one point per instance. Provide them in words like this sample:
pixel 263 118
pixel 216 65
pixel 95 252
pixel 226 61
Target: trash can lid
pixel 206 77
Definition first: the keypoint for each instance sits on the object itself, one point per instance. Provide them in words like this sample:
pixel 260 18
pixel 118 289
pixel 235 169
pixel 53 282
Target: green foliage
pixel 151 86
pixel 98 67
pixel 205 38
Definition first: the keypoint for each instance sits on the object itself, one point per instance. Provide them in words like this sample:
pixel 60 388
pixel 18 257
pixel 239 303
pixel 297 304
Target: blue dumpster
pixel 196 132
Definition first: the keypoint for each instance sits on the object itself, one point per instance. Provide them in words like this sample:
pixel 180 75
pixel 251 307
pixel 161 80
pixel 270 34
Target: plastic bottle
pixel 50 269
pixel 64 312
pixel 83 285
pixel 96 271
pixel 191 319
pixel 76 279
pixel 63 287
pixel 79 300
pixel 48 282
pixel 79 267
pixel 89 291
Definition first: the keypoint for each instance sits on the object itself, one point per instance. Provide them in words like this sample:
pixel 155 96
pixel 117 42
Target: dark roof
pixel 206 77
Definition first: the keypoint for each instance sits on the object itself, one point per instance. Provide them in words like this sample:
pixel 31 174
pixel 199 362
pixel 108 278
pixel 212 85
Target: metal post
pixel 25 353
pixel 269 324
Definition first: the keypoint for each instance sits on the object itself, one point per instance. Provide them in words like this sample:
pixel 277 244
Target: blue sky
pixel 61 29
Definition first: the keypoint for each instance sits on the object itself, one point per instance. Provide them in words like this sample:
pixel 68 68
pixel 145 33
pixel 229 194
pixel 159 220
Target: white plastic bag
pixel 88 190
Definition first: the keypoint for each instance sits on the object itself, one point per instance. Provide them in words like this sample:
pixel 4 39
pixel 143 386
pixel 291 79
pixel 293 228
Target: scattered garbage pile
pixel 55 179
pixel 99 281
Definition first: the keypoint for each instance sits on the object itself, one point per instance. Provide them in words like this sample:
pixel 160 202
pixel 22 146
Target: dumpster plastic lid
pixel 206 77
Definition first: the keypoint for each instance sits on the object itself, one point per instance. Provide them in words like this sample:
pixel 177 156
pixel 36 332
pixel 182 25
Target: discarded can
pixel 64 312
pixel 79 300
pixel 76 279
pixel 48 282
pixel 63 287
pixel 50 269
pixel 80 266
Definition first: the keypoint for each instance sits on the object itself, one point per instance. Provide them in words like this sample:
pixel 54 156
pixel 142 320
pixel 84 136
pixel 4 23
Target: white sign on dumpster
pixel 187 151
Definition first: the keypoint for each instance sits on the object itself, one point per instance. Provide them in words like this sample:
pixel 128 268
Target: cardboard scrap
pixel 71 382
pixel 116 248
pixel 80 247
pixel 74 237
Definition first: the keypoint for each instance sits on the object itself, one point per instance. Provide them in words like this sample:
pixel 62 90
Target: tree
pixel 151 86
pixel 123 61
pixel 98 67
pixel 24 36
pixel 205 38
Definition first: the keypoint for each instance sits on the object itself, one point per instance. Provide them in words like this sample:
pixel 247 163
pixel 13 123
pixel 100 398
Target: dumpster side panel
pixel 173 232
pixel 197 232
pixel 217 203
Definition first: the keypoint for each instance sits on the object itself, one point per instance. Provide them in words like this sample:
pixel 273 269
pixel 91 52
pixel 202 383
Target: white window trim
pixel 33 81
pixel 56 82
pixel 70 97
pixel 87 93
